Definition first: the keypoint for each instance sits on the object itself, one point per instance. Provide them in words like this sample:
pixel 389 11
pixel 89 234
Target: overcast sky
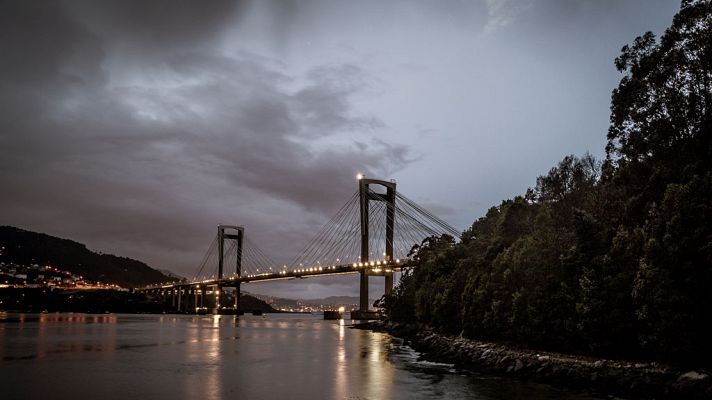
pixel 137 126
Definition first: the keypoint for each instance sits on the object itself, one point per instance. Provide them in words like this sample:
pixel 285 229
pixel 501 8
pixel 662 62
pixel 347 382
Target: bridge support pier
pixel 389 197
pixel 196 298
pixel 363 293
pixel 236 233
pixel 178 296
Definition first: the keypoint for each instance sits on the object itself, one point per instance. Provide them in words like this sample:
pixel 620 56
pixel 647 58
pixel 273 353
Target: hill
pixel 25 247
pixel 250 303
pixel 335 300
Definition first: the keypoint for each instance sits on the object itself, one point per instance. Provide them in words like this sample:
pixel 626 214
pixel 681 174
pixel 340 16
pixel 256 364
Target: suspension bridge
pixel 372 234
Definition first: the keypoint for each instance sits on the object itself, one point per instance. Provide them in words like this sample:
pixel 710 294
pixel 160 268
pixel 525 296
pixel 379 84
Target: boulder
pixel 692 376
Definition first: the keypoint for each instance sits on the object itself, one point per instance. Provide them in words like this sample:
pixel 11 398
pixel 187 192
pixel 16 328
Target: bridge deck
pixel 373 268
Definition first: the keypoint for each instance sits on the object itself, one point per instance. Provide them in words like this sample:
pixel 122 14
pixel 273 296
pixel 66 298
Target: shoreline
pixel 600 375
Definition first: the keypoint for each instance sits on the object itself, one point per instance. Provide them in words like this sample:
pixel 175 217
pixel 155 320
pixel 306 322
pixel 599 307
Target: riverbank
pixel 612 377
pixel 44 299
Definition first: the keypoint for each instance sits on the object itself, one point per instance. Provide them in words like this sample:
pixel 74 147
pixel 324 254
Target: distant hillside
pixel 280 301
pixel 250 303
pixel 24 247
pixel 336 300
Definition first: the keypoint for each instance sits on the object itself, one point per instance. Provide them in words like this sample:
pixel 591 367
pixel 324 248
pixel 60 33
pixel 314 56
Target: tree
pixel 659 162
pixel 664 103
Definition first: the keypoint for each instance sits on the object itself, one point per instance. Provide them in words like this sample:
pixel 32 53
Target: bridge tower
pixel 366 195
pixel 236 233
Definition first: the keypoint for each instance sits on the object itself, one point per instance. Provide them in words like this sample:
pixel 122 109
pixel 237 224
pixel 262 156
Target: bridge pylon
pixel 366 195
pixel 236 233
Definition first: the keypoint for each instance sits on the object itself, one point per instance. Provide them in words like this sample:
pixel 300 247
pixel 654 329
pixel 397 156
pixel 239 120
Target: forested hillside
pixel 609 257
pixel 26 248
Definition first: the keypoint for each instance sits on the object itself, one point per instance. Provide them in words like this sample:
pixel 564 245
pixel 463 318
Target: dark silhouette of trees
pixel 611 258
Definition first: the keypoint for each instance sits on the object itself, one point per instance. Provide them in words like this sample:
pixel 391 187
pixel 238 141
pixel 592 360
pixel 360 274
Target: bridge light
pixel 359 176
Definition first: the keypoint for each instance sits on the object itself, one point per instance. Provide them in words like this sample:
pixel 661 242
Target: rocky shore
pixel 611 377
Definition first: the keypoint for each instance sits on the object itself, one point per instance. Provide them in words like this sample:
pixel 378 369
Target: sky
pixel 136 127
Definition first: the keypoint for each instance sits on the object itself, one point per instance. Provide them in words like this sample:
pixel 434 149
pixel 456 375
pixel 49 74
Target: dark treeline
pixel 610 257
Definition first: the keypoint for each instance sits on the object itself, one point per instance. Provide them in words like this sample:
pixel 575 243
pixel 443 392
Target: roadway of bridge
pixel 377 268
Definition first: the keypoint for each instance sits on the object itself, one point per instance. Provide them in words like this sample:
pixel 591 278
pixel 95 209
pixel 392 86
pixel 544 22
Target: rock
pixel 692 376
pixel 639 380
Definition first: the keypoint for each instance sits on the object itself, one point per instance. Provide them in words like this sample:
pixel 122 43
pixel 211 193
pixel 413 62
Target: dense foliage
pixel 612 257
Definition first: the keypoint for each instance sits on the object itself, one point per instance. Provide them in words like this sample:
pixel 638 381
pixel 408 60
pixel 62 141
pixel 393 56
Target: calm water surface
pixel 278 356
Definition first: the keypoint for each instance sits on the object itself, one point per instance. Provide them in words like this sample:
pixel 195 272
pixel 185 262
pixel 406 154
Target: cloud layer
pixel 137 127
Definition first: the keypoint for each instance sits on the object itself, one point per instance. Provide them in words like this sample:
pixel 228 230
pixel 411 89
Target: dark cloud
pixel 157 26
pixel 147 166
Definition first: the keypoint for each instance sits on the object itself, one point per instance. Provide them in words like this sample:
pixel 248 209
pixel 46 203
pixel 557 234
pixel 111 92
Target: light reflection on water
pixel 212 357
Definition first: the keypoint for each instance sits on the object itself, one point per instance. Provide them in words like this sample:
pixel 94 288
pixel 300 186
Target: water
pixel 278 356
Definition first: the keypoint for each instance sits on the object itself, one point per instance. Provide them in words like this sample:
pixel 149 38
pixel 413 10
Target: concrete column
pixel 237 296
pixel 390 224
pixel 195 298
pixel 363 293
pixel 363 197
